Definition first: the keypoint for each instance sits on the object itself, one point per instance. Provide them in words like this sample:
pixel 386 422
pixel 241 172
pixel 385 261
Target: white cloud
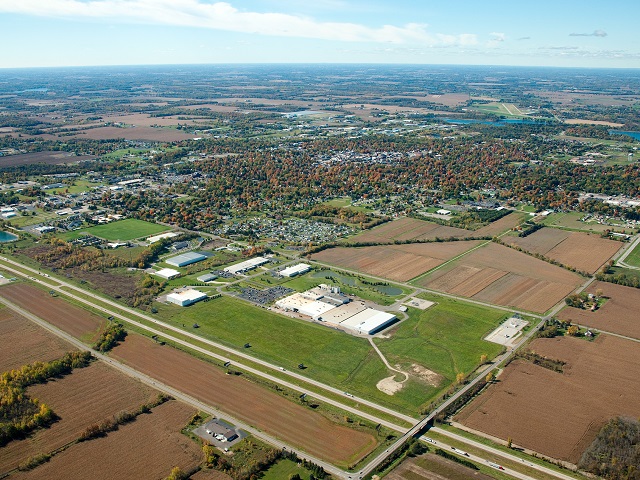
pixel 224 16
pixel 595 33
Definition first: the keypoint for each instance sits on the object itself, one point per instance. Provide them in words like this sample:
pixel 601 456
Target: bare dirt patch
pixel 426 375
pixel 395 262
pixel 559 414
pixel 149 447
pixel 410 229
pixel 86 396
pixel 247 401
pixel 23 342
pixel 529 283
pixel 389 385
pixel 50 158
pixel 60 313
pixel 584 251
pixel 618 315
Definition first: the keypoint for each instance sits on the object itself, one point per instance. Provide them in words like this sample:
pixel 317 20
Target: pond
pixel 635 135
pixel 340 278
pixel 389 290
pixel 7 237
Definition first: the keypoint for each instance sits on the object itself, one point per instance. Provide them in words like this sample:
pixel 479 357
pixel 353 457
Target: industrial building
pixel 294 270
pixel 167 273
pixel 247 265
pixel 207 277
pixel 186 297
pixel 157 238
pixel 327 305
pixel 186 259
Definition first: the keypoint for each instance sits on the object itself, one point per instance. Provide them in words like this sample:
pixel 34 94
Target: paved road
pixel 624 253
pixel 167 389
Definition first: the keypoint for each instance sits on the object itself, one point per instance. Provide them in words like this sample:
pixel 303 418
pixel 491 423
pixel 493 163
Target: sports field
pixel 124 230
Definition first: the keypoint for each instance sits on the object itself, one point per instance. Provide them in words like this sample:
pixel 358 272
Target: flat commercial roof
pixel 207 277
pixel 157 238
pixel 368 321
pixel 304 305
pixel 186 259
pixel 295 270
pixel 246 265
pixel 187 295
pixel 167 273
pixel 341 313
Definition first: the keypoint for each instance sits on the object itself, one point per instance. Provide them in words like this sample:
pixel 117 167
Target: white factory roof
pixel 368 321
pixel 342 312
pixel 157 238
pixel 187 295
pixel 246 265
pixel 295 270
pixel 167 273
pixel 304 305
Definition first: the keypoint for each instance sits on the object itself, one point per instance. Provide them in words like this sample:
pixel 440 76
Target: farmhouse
pixel 186 259
pixel 167 273
pixel 246 265
pixel 294 270
pixel 186 297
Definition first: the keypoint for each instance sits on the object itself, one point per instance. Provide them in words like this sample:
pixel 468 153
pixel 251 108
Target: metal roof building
pixel 207 277
pixel 167 273
pixel 186 259
pixel 294 270
pixel 186 297
pixel 368 321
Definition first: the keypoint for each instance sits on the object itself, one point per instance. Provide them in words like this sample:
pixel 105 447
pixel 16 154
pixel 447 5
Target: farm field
pixel 436 344
pixel 501 225
pixel 127 229
pixel 87 396
pixel 502 276
pixel 50 158
pixel 133 133
pixel 409 229
pixel 149 447
pixel 430 466
pixel 528 400
pixel 395 262
pixel 247 401
pixel 584 251
pixel 74 320
pixel 23 342
pixel 618 315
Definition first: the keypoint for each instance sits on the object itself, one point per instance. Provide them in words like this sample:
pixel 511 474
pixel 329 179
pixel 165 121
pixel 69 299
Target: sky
pixel 567 33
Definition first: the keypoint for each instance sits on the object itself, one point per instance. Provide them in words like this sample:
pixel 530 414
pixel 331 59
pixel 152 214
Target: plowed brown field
pixel 409 229
pixel 23 342
pixel 620 314
pixel 247 401
pixel 73 320
pixel 498 274
pixel 395 262
pixel 147 448
pixel 559 414
pixel 584 251
pixel 499 226
pixel 86 396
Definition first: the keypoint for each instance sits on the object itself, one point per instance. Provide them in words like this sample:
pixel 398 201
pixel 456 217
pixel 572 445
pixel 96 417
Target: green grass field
pixel 284 468
pixel 634 257
pixel 446 338
pixel 571 221
pixel 124 230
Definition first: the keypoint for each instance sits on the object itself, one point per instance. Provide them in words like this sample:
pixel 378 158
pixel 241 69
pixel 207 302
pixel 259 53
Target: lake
pixel 7 237
pixel 635 135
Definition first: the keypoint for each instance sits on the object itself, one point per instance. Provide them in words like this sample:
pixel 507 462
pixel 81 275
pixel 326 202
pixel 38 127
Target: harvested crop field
pixel 247 401
pixel 149 447
pixel 23 342
pixel 618 315
pixel 50 158
pixel 395 262
pixel 430 466
pixel 500 225
pixel 600 381
pixel 88 395
pixel 60 313
pixel 584 251
pixel 409 229
pixel 500 275
pixel 135 133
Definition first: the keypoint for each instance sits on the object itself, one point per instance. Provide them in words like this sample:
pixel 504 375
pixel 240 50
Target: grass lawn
pixel 571 221
pixel 127 229
pixel 445 338
pixel 284 468
pixel 634 257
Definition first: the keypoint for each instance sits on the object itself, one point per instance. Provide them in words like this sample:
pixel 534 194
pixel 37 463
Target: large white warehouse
pixel 186 297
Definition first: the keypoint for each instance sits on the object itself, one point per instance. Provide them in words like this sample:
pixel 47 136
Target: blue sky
pixel 586 33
